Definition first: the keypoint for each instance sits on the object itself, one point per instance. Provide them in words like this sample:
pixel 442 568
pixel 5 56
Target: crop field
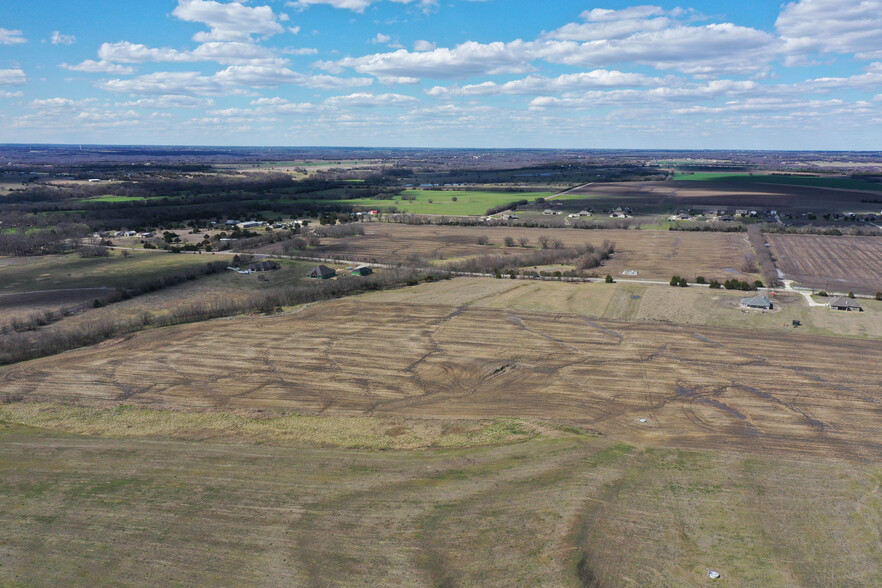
pixel 56 272
pixel 441 201
pixel 565 510
pixel 653 254
pixel 838 264
pixel 660 197
pixel 839 183
pixel 697 387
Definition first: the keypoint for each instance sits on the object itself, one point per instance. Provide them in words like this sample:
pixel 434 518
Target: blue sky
pixel 753 74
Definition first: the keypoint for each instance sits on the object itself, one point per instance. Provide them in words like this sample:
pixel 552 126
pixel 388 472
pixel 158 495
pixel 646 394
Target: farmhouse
pixel 264 266
pixel 322 272
pixel 847 304
pixel 362 270
pixel 249 224
pixel 757 302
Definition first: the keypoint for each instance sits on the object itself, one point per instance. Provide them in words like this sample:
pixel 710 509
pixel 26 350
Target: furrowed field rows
pixel 830 262
pixel 695 386
pixel 665 196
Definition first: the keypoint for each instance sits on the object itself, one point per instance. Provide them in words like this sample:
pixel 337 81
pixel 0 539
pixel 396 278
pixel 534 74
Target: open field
pixel 654 254
pixel 642 302
pixel 646 197
pixel 56 272
pixel 22 305
pixel 561 512
pixel 698 387
pixel 467 202
pixel 839 264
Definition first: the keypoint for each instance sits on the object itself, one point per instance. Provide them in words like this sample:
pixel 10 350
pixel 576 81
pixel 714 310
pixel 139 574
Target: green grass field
pixel 112 198
pixel 816 182
pixel 50 272
pixel 467 203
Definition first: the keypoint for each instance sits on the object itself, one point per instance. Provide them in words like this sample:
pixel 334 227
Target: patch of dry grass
pixel 123 421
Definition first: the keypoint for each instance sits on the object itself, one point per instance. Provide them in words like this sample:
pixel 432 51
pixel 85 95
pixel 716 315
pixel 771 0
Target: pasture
pixel 564 510
pixel 70 271
pixel 697 386
pixel 467 202
pixel 653 254
pixel 838 264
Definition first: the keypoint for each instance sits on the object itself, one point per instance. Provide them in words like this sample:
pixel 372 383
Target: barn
pixel 362 270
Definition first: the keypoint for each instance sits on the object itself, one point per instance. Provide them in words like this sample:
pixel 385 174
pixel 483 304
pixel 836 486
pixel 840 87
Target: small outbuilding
pixel 757 302
pixel 322 272
pixel 847 304
pixel 362 270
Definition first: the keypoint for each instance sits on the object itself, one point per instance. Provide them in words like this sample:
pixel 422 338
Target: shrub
pixel 700 280
pixel 851 295
pixel 715 284
pixel 678 281
pixel 482 240
pixel 758 284
pixel 878 295
pixel 609 279
pixel 509 242
pixel 822 293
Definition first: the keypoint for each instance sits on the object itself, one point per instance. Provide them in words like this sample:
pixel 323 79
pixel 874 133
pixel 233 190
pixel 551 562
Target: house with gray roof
pixel 757 302
pixel 847 304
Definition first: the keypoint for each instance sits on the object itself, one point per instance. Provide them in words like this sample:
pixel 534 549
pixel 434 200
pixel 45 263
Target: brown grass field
pixel 436 435
pixel 569 511
pixel 698 387
pixel 654 254
pixel 838 264
pixel 671 195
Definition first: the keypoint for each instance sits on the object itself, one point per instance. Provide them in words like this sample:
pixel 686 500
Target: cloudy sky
pixel 752 74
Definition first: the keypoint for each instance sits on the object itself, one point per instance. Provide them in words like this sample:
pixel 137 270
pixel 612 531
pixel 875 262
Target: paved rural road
pixel 788 286
pixel 570 190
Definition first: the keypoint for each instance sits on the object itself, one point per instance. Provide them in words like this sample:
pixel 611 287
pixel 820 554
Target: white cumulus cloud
pixel 364 99
pixel 357 5
pixel 12 77
pixel 11 37
pixel 58 39
pixel 833 26
pixel 228 21
pixel 463 61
